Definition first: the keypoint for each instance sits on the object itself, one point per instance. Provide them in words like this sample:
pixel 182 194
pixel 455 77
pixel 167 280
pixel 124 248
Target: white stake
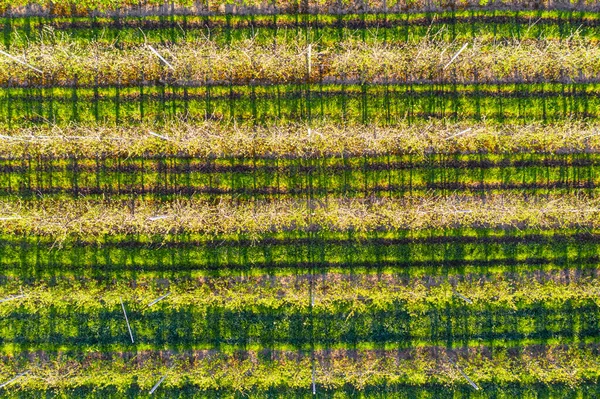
pixel 463 297
pixel 159 136
pixel 159 299
pixel 10 218
pixel 310 133
pixel 153 218
pixel 314 386
pixel 160 56
pixel 10 298
pixel 157 384
pixel 13 379
pixel 456 55
pixel 4 137
pixel 20 62
pixel 468 379
pixel 471 382
pixel 309 59
pixel 458 134
pixel 127 320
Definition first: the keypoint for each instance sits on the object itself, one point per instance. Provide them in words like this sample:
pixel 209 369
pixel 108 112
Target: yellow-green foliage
pixel 63 60
pixel 91 220
pixel 334 368
pixel 332 293
pixel 213 139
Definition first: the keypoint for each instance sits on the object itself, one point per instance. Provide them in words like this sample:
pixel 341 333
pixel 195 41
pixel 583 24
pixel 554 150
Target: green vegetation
pixel 485 26
pixel 282 372
pixel 88 219
pixel 222 145
pixel 66 62
pixel 299 199
pixel 74 8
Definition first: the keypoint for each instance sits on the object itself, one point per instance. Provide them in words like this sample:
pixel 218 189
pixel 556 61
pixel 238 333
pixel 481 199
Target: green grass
pixel 364 313
pixel 206 374
pixel 319 28
pixel 252 178
pixel 354 200
pixel 70 8
pixel 380 104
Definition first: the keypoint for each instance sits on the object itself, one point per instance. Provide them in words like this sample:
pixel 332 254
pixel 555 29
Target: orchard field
pixel 298 199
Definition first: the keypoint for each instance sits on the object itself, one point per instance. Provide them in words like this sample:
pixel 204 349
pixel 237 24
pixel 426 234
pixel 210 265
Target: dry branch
pixel 468 379
pixel 313 378
pixel 159 217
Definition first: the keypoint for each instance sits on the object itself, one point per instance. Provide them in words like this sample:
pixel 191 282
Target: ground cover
pixel 256 374
pixel 323 28
pixel 149 7
pixel 299 199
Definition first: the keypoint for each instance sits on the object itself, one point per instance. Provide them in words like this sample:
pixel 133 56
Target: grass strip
pixel 378 312
pixel 333 293
pixel 216 328
pixel 530 369
pixel 149 7
pixel 37 258
pixel 246 178
pixel 322 29
pixel 266 104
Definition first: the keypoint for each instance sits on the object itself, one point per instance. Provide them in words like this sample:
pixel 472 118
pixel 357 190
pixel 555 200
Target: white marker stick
pixel 456 55
pixel 10 218
pixel 458 134
pixel 126 320
pixel 10 298
pixel 468 379
pixel 309 59
pixel 463 297
pixel 13 379
pixel 160 57
pixel 153 218
pixel 159 136
pixel 159 299
pixel 20 62
pixel 314 385
pixel 4 137
pixel 157 384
